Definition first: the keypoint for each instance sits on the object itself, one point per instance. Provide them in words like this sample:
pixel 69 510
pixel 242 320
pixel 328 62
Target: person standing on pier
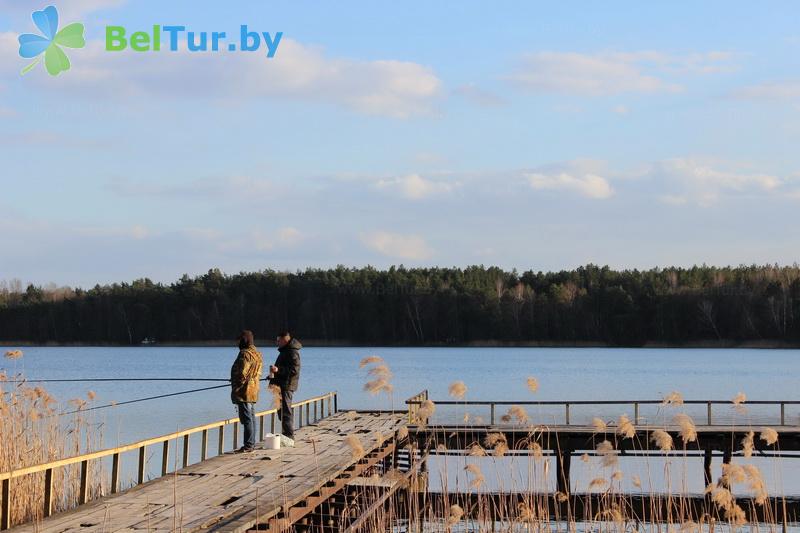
pixel 285 374
pixel 245 382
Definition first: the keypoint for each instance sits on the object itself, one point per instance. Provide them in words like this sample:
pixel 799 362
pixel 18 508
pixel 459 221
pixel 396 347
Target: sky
pixel 528 135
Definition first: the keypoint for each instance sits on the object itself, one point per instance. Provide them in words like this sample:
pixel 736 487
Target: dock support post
pixel 142 463
pixel 707 457
pixel 165 458
pixel 48 492
pixel 727 455
pixel 5 511
pixel 564 461
pixel 83 496
pixel 115 459
pixel 185 451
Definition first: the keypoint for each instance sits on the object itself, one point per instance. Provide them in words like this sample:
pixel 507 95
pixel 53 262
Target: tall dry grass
pixel 498 486
pixel 32 432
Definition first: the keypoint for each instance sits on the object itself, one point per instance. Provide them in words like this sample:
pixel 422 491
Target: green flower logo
pixel 50 42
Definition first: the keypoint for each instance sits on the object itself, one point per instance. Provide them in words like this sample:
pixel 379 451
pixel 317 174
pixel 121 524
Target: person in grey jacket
pixel 286 375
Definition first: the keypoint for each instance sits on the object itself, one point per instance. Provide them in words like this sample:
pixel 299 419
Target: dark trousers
pixel 285 414
pixel 248 420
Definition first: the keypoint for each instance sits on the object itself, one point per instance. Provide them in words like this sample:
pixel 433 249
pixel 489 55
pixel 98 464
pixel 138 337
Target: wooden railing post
pixel 708 413
pixel 491 414
pixel 566 413
pixel 315 410
pixel 185 451
pixel 48 492
pixel 142 464
pixel 261 428
pixel 335 402
pixel 308 413
pixel 783 413
pixel 83 495
pixel 115 459
pixel 636 413
pixel 236 436
pixel 272 423
pixel 221 444
pixel 204 445
pixel 330 406
pixel 5 505
pixel 165 458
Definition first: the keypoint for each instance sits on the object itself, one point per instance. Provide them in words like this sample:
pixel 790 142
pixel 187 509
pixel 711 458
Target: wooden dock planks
pixel 231 492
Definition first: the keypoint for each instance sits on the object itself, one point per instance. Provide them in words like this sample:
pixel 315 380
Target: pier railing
pixel 566 405
pixel 306 412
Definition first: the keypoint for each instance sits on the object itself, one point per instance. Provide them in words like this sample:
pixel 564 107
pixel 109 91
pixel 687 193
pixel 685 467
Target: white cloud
pixel 789 90
pixel 621 110
pixel 587 184
pixel 704 182
pixel 612 72
pixel 409 247
pixel 415 187
pixel 239 189
pixel 397 89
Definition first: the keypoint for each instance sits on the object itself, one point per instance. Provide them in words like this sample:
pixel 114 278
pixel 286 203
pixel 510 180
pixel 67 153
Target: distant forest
pixel 417 306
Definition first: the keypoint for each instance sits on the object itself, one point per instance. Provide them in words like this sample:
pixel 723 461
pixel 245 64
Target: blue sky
pixel 521 134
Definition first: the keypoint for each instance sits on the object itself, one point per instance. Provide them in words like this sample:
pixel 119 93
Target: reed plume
pixel 747 444
pixel 739 399
pixel 13 354
pixel 662 440
pixel 498 443
pixel 533 384
pixel 769 435
pixel 607 453
pixel 457 390
pixel 598 483
pixel 688 431
pixel 275 392
pixel 426 411
pixel 455 514
pixel 599 425
pixel 356 449
pixel 376 386
pixel 477 475
pixel 625 427
pixel 370 360
pixel 673 398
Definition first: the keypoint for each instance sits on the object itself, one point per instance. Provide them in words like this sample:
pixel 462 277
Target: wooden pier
pixel 368 453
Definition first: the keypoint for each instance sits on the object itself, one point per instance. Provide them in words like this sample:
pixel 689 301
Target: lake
pixel 489 374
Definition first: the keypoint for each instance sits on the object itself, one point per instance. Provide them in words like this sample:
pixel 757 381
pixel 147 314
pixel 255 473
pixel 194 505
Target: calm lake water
pixel 489 373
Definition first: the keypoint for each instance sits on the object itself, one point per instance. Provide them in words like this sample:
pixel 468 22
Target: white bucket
pixel 272 442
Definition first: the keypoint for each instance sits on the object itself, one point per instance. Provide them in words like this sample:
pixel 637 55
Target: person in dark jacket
pixel 245 382
pixel 285 374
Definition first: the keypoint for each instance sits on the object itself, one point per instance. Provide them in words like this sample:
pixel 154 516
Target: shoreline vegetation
pixel 701 306
pixel 315 343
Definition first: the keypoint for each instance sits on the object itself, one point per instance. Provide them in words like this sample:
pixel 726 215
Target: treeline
pixel 418 306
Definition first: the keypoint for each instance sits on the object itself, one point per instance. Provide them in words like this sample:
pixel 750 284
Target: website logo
pixel 48 45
